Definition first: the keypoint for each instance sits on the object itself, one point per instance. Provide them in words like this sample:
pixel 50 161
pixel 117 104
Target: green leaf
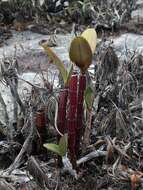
pixel 88 97
pixel 56 60
pixel 60 149
pixel 70 69
pixel 53 147
pixel 91 36
pixel 63 144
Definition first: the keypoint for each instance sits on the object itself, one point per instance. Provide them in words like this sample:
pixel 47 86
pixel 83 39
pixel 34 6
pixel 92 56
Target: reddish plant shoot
pixel 40 120
pixel 72 118
pixel 80 110
pixel 41 124
pixel 61 120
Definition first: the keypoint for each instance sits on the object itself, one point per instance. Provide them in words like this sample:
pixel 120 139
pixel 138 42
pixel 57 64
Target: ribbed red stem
pixel 71 118
pixel 41 123
pixel 61 121
pixel 80 111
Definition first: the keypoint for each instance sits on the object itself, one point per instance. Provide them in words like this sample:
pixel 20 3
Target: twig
pixel 5 110
pixel 24 148
pixel 6 118
pixel 4 185
pixel 94 154
pixel 36 171
pixel 15 95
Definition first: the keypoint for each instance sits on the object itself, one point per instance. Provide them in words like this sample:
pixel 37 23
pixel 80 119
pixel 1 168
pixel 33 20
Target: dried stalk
pixel 16 98
pixel 4 185
pixel 68 167
pixel 94 154
pixel 6 118
pixel 4 109
pixel 36 171
pixel 25 146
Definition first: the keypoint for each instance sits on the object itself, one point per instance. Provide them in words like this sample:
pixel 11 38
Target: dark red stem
pixel 80 111
pixel 71 118
pixel 61 120
pixel 41 124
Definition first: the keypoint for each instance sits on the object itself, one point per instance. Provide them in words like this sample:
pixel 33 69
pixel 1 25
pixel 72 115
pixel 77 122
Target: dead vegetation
pixel 31 14
pixel 111 147
pixel 113 157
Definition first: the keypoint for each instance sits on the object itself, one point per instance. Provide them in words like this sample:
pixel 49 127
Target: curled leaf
pixel 91 36
pixel 88 97
pixel 63 144
pixel 56 60
pixel 60 149
pixel 53 147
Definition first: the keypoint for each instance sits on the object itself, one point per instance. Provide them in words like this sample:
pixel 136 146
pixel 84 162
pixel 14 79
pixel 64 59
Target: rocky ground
pixel 116 131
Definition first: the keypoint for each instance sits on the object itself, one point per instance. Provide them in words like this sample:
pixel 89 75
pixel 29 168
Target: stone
pixel 137 14
pixel 139 2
